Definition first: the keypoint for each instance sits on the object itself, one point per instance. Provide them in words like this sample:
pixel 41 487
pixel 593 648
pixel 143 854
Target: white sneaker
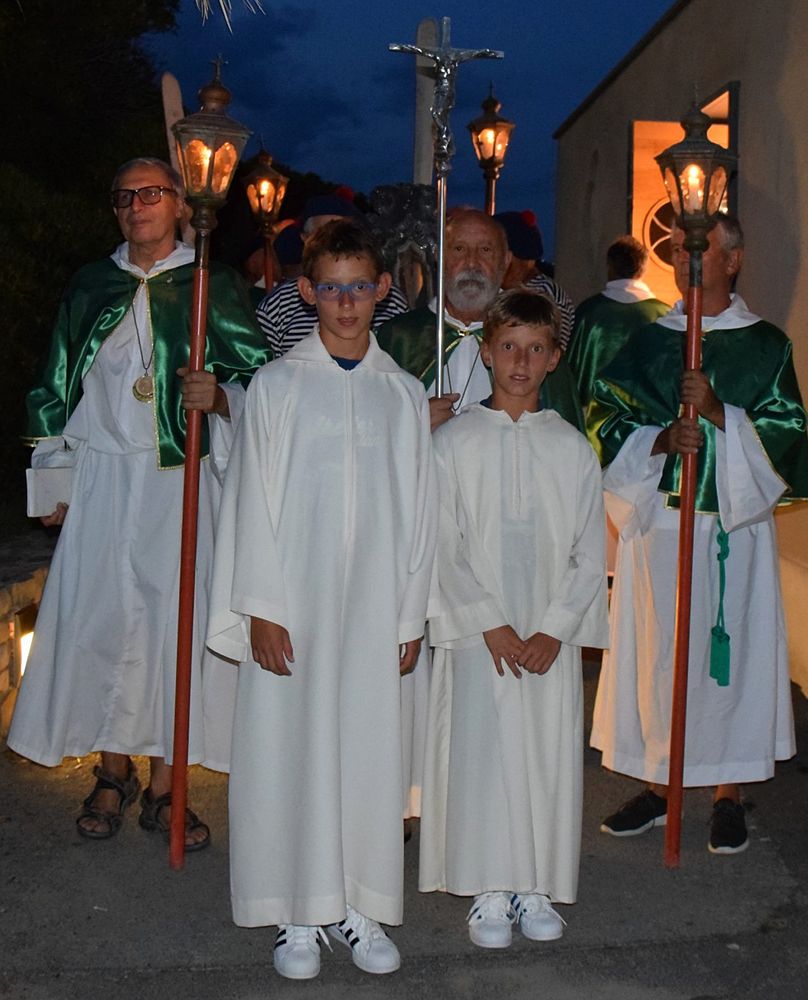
pixel 536 917
pixel 490 919
pixel 297 951
pixel 371 949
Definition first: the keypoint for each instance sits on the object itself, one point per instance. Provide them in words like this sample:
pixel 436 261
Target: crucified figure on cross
pixel 446 60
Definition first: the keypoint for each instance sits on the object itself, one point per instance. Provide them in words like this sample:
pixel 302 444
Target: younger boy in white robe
pixel 323 562
pixel 522 587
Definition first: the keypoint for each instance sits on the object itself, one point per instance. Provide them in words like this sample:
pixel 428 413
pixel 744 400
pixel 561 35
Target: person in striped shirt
pixel 526 247
pixel 283 314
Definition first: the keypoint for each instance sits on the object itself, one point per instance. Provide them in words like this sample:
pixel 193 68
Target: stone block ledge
pixel 24 563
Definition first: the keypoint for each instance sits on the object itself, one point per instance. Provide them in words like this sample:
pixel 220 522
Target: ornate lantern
pixel 266 188
pixel 696 172
pixel 209 145
pixel 490 135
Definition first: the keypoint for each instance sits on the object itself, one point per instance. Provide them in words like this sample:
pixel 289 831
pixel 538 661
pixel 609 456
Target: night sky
pixel 317 82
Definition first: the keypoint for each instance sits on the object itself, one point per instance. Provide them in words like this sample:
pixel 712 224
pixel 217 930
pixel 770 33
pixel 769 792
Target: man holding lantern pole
pixel 753 454
pixel 112 405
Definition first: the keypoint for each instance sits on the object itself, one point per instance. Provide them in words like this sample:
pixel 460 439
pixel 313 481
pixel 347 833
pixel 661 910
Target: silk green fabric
pixel 750 367
pixel 602 327
pixel 410 339
pixel 96 301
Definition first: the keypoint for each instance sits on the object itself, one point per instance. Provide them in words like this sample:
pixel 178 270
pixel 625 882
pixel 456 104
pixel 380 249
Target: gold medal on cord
pixel 143 389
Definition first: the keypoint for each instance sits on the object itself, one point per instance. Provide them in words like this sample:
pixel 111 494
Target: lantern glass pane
pixel 691 183
pixel 673 190
pixel 252 198
pixel 223 166
pixel 718 186
pixel 197 156
pixel 268 193
pixel 487 143
pixel 502 143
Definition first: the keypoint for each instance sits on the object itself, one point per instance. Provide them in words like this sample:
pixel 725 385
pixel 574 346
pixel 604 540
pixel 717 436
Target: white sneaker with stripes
pixel 490 920
pixel 297 951
pixel 536 918
pixel 371 949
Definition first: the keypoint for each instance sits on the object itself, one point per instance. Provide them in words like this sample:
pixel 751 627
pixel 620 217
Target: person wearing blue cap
pixel 527 249
pixel 283 315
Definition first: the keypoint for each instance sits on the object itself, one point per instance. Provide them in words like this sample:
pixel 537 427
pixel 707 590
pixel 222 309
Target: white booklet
pixel 46 488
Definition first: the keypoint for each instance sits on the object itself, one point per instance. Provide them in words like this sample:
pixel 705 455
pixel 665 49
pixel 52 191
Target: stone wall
pixel 24 563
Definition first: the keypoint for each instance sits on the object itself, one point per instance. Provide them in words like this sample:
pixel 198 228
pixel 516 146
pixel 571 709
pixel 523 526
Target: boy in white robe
pixel 521 583
pixel 323 560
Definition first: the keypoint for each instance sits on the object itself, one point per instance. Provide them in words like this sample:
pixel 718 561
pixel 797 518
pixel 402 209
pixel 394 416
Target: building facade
pixel 745 64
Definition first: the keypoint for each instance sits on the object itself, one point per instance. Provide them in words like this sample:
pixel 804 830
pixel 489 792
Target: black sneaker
pixel 637 815
pixel 727 828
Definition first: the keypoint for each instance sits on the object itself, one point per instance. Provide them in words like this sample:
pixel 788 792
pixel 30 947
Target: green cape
pixel 602 327
pixel 96 301
pixel 750 367
pixel 410 339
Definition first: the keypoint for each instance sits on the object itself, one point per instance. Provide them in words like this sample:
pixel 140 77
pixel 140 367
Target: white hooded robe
pixel 327 527
pixel 521 542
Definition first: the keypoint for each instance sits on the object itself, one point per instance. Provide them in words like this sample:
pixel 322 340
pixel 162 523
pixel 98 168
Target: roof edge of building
pixel 671 14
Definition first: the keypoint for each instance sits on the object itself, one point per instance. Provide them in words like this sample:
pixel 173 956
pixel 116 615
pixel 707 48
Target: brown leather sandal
pixel 151 820
pixel 127 789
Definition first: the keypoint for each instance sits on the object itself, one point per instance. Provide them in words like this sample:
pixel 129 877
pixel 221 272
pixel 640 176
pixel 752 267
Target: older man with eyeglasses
pixel 111 405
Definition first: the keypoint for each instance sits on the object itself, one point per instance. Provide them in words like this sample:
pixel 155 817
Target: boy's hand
pixel 271 646
pixel 540 652
pixel 696 389
pixel 440 409
pixel 504 644
pixel 408 656
pixel 201 391
pixel 683 437
pixel 56 518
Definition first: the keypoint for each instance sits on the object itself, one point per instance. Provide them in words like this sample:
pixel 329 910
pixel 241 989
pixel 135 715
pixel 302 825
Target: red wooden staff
pixel 190 512
pixel 681 656
pixel 695 172
pixel 209 144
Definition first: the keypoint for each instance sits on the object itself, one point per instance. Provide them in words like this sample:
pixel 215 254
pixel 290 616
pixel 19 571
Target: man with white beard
pixel 476 259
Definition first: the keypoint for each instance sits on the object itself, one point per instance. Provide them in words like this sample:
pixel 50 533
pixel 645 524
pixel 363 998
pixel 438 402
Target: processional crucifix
pixel 446 60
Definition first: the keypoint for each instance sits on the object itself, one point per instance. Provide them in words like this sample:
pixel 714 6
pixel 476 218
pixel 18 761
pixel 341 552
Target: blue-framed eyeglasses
pixel 357 291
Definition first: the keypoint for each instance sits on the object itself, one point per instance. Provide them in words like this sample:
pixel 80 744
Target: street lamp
pixel 696 172
pixel 209 145
pixel 266 188
pixel 490 135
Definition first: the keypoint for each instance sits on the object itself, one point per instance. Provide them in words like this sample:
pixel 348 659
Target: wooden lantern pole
pixel 209 144
pixel 695 172
pixel 687 517
pixel 269 264
pixel 190 512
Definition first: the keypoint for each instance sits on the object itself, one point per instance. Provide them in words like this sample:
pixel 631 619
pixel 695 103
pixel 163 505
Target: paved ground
pixel 81 919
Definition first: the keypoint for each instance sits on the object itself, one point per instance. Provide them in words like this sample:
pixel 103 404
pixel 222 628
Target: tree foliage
pixel 81 98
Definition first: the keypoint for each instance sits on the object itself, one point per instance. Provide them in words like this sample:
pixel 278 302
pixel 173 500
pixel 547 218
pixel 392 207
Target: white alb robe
pixel 465 374
pixel 327 527
pixel 627 290
pixel 521 542
pixel 734 733
pixel 102 669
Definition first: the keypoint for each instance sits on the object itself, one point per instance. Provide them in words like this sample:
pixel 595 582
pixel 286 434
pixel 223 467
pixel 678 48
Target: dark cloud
pixel 320 84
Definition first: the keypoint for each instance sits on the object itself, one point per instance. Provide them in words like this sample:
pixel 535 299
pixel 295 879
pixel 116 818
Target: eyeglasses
pixel 357 291
pixel 123 197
